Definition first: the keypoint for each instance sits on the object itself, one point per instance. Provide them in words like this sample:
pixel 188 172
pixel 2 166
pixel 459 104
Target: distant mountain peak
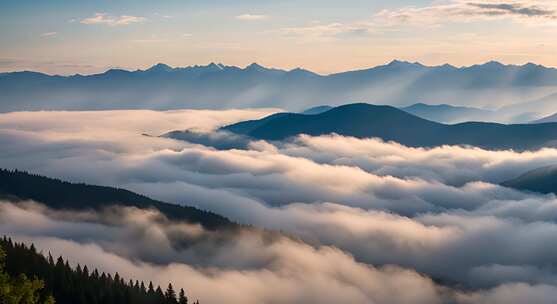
pixel 116 71
pixel 448 66
pixel 159 67
pixel 255 67
pixel 402 63
pixel 218 66
pixel 300 71
pixel 398 62
pixel 493 63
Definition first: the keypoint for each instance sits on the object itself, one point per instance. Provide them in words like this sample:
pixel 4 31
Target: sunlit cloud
pixel 523 11
pixel 104 19
pixel 252 17
pixel 431 211
pixel 529 12
pixel 49 34
pixel 164 16
pixel 317 30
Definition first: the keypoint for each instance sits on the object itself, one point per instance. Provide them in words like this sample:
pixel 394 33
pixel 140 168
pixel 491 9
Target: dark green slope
pixel 543 180
pixel 389 123
pixel 58 194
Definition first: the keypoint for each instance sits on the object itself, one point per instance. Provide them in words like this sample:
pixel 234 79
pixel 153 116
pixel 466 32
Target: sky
pixel 67 37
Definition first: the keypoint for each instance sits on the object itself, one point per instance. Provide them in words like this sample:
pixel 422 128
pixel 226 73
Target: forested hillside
pixel 57 194
pixel 77 285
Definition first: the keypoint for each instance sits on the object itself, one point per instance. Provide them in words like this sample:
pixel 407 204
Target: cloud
pixel 104 19
pixel 49 34
pixel 435 211
pixel 242 267
pixel 513 9
pixel 454 165
pixel 512 294
pixel 522 11
pixel 247 266
pixel 150 40
pixel 326 31
pixel 164 16
pixel 531 12
pixel 252 17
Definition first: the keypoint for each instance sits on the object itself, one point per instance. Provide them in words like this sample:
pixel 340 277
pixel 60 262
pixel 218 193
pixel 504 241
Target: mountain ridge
pixel 218 86
pixel 363 120
pixel 394 62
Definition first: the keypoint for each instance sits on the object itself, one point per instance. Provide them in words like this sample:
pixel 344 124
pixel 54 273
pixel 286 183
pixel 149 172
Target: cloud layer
pixel 368 216
pixel 245 267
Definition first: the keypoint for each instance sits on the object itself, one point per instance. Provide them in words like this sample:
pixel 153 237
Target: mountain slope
pixel 550 118
pixel 316 110
pixel 392 124
pixel 444 113
pixel 220 86
pixel 543 180
pixel 58 194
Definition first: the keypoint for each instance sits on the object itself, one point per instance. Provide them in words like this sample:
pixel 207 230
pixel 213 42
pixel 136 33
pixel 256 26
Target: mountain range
pixel 392 124
pixel 490 85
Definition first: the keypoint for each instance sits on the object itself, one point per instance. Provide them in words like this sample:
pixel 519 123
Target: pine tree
pixel 182 299
pixel 20 289
pixel 70 285
pixel 170 294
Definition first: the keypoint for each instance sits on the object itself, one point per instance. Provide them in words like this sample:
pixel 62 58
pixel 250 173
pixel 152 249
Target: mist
pixel 363 217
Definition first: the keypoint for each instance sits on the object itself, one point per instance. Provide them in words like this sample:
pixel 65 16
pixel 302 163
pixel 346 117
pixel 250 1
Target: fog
pixel 364 218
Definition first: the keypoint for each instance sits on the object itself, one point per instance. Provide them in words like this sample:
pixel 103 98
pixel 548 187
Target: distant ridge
pixel 445 113
pixel 542 180
pixel 550 118
pixel 256 66
pixel 217 86
pixel 392 124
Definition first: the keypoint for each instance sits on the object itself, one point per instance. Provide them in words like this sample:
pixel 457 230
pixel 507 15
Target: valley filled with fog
pixel 325 219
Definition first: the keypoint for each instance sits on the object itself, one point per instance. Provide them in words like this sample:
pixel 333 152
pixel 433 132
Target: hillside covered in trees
pixel 57 194
pixel 58 281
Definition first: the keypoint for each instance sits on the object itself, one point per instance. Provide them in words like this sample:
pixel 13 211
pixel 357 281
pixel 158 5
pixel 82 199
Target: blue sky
pixel 68 37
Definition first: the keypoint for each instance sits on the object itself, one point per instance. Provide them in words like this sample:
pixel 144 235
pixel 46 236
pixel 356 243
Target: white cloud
pixel 321 31
pixel 164 16
pixel 248 266
pixel 531 12
pixel 434 210
pixel 252 17
pixel 104 19
pixel 524 11
pixel 49 34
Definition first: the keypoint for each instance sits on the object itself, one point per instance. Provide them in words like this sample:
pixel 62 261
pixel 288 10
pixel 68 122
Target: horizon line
pixel 255 64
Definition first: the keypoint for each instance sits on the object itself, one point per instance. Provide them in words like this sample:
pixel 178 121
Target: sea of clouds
pixel 361 220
